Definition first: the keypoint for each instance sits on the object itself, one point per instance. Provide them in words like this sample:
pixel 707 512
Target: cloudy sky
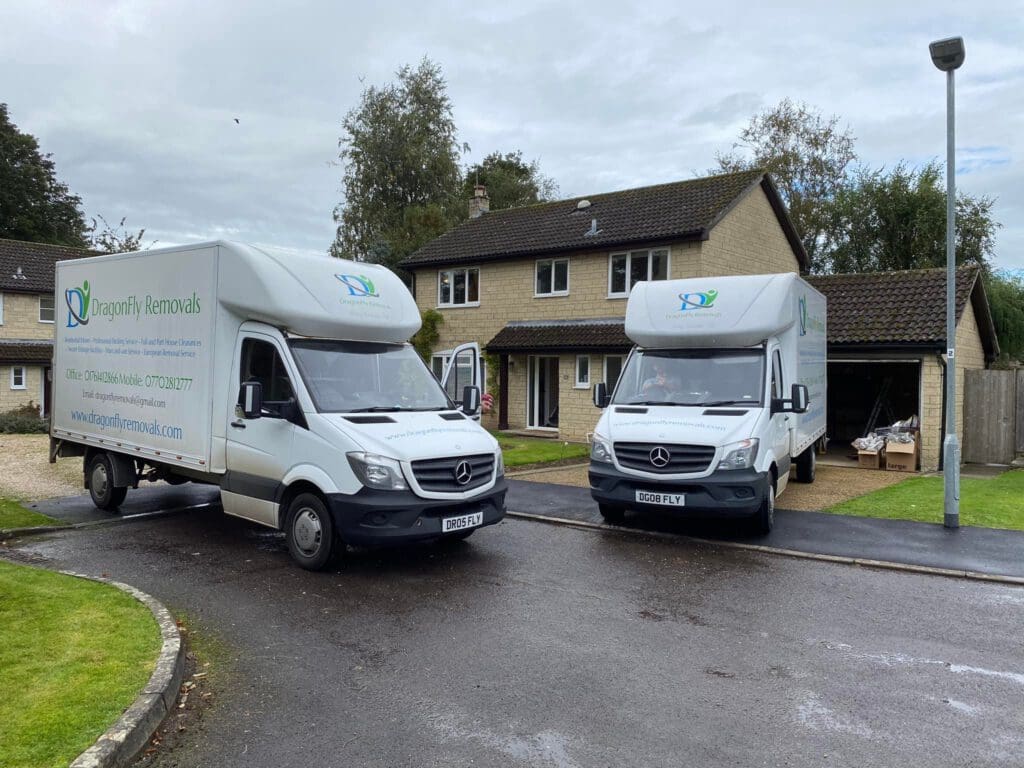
pixel 136 100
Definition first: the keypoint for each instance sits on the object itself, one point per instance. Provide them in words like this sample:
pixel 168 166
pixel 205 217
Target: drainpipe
pixel 942 431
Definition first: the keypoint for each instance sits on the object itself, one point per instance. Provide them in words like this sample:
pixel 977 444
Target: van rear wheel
pixel 101 483
pixel 309 531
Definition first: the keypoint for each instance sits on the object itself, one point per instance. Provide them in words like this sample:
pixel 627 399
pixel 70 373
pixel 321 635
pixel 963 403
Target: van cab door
pixel 259 450
pixel 778 431
pixel 463 370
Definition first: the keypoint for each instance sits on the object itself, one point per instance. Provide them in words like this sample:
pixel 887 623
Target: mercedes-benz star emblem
pixel 463 472
pixel 660 457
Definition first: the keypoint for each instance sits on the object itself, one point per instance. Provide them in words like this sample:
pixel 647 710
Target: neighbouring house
pixel 543 288
pixel 887 350
pixel 27 315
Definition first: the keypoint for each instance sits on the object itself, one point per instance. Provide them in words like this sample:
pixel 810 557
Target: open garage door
pixel 864 394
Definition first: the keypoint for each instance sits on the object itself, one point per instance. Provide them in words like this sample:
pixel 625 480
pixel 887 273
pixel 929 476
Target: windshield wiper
pixel 657 402
pixel 713 403
pixel 377 409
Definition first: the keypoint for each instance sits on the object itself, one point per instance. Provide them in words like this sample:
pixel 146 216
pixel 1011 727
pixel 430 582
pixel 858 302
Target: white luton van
pixel 286 380
pixel 722 396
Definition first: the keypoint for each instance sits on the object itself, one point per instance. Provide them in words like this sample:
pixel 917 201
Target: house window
pixel 18 377
pixel 46 309
pixel 627 269
pixel 552 277
pixel 458 287
pixel 582 371
pixel 612 370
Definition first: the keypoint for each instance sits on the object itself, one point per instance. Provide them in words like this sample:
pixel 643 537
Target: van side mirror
pixel 799 399
pixel 250 398
pixel 601 395
pixel 470 400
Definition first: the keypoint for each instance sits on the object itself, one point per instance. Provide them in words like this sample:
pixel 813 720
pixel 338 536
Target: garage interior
pixel 865 394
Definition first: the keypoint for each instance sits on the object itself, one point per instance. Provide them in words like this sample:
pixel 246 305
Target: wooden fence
pixel 993 416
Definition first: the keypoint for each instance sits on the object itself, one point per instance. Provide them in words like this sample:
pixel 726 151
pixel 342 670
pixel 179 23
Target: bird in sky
pixel 236 120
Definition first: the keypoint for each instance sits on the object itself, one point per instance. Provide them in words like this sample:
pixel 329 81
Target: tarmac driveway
pixel 537 645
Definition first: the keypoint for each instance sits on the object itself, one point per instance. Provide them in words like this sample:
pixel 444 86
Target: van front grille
pixel 664 458
pixel 443 475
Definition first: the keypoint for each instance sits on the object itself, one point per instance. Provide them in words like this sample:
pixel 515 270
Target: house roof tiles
pixel 29 267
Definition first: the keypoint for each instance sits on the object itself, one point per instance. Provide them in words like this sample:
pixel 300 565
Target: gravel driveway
pixel 26 473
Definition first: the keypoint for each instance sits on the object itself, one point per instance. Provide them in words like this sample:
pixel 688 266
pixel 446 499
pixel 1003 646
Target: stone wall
pixel 21 318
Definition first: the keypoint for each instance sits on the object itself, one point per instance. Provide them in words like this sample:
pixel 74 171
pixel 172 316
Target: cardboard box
pixel 901 457
pixel 869 459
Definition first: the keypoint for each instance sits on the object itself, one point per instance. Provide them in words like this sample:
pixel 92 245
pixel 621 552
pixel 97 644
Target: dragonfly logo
pixel 697 300
pixel 77 300
pixel 359 285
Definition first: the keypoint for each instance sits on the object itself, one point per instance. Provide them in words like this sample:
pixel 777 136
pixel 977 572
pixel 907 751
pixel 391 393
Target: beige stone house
pixel 27 316
pixel 543 288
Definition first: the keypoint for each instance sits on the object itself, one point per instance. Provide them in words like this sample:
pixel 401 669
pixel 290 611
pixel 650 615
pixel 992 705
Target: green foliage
pixel 807 156
pixel 73 655
pixel 13 515
pixel 896 219
pixel 24 420
pixel 511 182
pixel 117 239
pixel 34 204
pixel 426 337
pixel 519 451
pixel 492 385
pixel 401 161
pixel 1006 300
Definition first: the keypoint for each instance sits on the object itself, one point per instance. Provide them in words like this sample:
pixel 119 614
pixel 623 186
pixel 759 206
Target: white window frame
pixel 452 272
pixel 53 309
pixel 629 262
pixel 24 377
pixel 578 383
pixel 552 292
pixel 604 367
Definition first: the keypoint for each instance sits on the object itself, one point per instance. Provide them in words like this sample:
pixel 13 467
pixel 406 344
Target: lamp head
pixel 947 54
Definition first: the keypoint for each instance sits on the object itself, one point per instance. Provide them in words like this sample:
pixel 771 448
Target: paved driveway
pixel 547 646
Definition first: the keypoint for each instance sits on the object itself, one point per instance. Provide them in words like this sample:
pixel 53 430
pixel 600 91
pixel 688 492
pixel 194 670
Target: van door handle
pixel 238 424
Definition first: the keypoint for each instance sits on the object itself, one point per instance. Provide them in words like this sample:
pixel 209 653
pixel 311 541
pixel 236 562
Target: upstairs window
pixel 46 309
pixel 627 269
pixel 458 287
pixel 552 277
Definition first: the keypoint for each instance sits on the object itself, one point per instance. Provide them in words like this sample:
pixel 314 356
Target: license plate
pixel 662 499
pixel 462 522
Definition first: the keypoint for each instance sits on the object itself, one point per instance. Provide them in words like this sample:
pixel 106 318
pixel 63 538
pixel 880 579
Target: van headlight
pixel 739 455
pixel 499 462
pixel 377 472
pixel 600 450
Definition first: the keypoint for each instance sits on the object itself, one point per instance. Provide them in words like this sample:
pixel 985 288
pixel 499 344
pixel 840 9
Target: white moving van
pixel 723 394
pixel 287 380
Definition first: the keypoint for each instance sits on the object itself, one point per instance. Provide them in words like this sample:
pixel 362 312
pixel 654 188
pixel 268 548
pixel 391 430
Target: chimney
pixel 480 203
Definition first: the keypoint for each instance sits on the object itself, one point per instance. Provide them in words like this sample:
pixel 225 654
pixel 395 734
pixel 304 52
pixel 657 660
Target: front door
pixel 780 424
pixel 542 392
pixel 258 450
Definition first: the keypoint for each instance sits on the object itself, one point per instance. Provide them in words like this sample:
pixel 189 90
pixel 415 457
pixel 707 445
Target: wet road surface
pixel 538 645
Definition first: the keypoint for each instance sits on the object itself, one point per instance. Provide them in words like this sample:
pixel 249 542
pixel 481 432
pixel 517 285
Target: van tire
pixel 806 465
pixel 309 531
pixel 764 518
pixel 612 515
pixel 104 494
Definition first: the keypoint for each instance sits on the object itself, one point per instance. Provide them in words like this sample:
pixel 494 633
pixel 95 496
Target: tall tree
pixel 511 181
pixel 896 219
pixel 806 154
pixel 111 239
pixel 1006 299
pixel 402 178
pixel 34 204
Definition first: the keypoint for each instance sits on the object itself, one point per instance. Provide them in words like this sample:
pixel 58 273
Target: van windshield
pixel 692 377
pixel 351 376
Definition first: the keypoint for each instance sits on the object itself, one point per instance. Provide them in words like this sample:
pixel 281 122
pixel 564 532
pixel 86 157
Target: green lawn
pixel 13 515
pixel 74 654
pixel 989 503
pixel 534 450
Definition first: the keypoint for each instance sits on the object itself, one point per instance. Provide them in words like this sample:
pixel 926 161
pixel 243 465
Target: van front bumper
pixel 372 517
pixel 729 493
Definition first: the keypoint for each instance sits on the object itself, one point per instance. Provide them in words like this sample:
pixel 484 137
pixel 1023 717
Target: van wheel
pixel 310 531
pixel 806 465
pixel 764 518
pixel 612 515
pixel 101 483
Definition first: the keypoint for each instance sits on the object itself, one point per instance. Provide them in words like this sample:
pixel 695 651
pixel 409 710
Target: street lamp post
pixel 948 55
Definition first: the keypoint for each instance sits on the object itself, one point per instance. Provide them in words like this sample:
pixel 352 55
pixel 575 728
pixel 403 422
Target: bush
pixel 23 420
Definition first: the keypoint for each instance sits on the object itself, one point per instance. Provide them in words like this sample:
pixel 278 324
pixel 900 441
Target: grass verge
pixel 74 654
pixel 988 503
pixel 13 515
pixel 536 450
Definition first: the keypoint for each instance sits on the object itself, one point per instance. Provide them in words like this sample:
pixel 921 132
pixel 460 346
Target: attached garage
pixel 886 351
